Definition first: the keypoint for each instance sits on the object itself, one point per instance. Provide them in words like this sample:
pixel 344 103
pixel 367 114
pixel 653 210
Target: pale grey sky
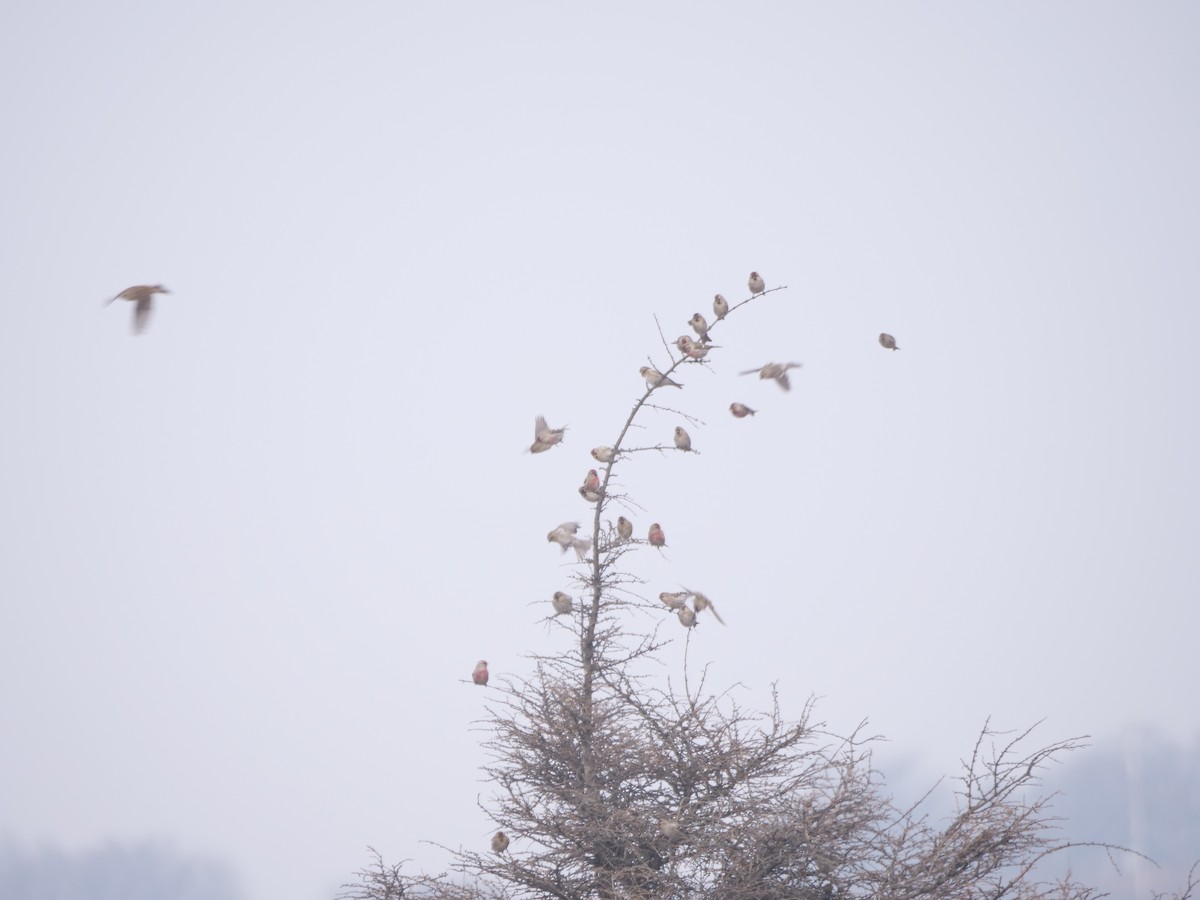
pixel 249 556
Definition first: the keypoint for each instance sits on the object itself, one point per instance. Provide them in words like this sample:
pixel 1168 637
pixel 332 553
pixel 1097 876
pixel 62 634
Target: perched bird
pixel 757 285
pixel 656 536
pixel 564 536
pixel 778 371
pixel 591 481
pixel 499 842
pixel 563 604
pixel 691 349
pixel 687 618
pixel 670 828
pixel 480 675
pixel 624 528
pixel 683 440
pixel 655 378
pixel 674 601
pixel 700 326
pixel 720 307
pixel 888 341
pixel 143 296
pixel 591 496
pixel 544 437
pixel 741 410
pixel 700 603
pixel 603 454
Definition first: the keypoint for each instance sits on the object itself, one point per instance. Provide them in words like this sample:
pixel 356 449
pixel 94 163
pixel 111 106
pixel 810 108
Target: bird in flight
pixel 143 296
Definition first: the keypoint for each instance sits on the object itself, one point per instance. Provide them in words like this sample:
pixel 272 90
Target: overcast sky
pixel 249 557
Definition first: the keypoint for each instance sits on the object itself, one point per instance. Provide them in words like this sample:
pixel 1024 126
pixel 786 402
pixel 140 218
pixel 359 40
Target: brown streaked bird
pixel 700 603
pixel 741 410
pixel 624 528
pixel 674 601
pixel 777 371
pixel 545 437
pixel 562 603
pixel 143 296
pixel 888 342
pixel 687 618
pixel 683 440
pixel 499 842
pixel 756 283
pixel 480 675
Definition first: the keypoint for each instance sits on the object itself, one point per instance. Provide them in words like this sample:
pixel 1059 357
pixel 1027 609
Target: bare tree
pixel 613 783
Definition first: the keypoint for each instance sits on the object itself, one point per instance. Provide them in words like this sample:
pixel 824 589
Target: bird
pixel 683 440
pixel 603 454
pixel 564 536
pixel 499 842
pixel 143 296
pixel 656 536
pixel 757 285
pixel 700 326
pixel 720 307
pixel 655 378
pixel 677 600
pixel 687 618
pixel 480 675
pixel 741 410
pixel 563 604
pixel 691 349
pixel 701 603
pixel 624 528
pixel 544 437
pixel 888 341
pixel 591 496
pixel 778 371
pixel 670 828
pixel 591 481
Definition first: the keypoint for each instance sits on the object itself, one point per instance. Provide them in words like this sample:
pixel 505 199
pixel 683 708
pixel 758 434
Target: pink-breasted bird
pixel 544 437
pixel 564 536
pixel 888 341
pixel 591 481
pixel 720 307
pixel 624 528
pixel 741 410
pixel 700 326
pixel 683 440
pixel 480 675
pixel 756 283
pixel 143 296
pixel 499 842
pixel 655 378
pixel 691 349
pixel 656 536
pixel 777 371
pixel 562 603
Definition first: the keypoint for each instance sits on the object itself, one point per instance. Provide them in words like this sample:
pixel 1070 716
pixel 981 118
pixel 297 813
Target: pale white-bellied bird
pixel 603 454
pixel 564 536
pixel 544 437
pixel 670 829
pixel 655 378
pixel 888 341
pixel 778 371
pixel 700 326
pixel 624 528
pixel 674 601
pixel 756 284
pixel 687 618
pixel 700 603
pixel 563 604
pixel 683 440
pixel 591 496
pixel 499 842
pixel 720 306
pixel 656 537
pixel 480 675
pixel 143 296
pixel 741 410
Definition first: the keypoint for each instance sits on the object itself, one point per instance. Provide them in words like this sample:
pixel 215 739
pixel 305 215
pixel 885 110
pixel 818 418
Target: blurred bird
pixel 624 528
pixel 888 341
pixel 143 296
pixel 687 618
pixel 700 326
pixel 741 410
pixel 674 601
pixel 544 437
pixel 656 536
pixel 655 378
pixel 691 349
pixel 590 496
pixel 757 285
pixel 683 440
pixel 591 481
pixel 778 371
pixel 564 536
pixel 480 675
pixel 670 828
pixel 700 603
pixel 499 842
pixel 562 603
pixel 604 454
pixel 720 306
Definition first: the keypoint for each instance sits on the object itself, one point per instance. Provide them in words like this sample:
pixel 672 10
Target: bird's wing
pixel 784 381
pixel 751 371
pixel 141 314
pixel 539 425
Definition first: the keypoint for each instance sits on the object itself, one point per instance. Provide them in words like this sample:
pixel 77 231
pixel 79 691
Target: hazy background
pixel 247 559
